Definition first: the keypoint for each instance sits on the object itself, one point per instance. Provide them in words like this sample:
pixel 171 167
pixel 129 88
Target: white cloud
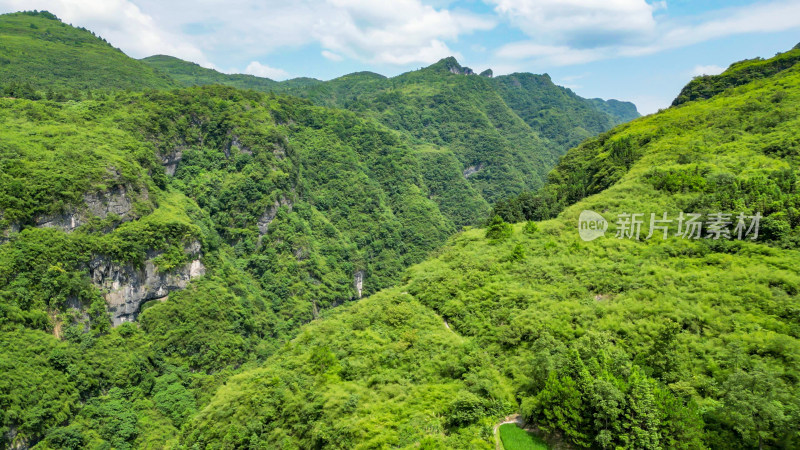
pixel 397 32
pixel 580 23
pixel 567 32
pixel 262 70
pixel 759 18
pixel 403 32
pixel 554 55
pixel 707 70
pixel 332 56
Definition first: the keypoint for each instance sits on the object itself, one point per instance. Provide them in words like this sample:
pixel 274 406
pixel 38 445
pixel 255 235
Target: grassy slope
pixel 662 344
pixel 49 54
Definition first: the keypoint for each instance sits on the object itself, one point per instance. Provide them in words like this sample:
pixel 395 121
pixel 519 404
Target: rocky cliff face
pixel 126 288
pixel 271 212
pixel 472 170
pixel 358 282
pixel 170 161
pixel 117 200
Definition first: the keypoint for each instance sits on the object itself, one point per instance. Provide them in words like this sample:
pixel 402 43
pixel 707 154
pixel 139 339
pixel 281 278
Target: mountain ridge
pixel 215 267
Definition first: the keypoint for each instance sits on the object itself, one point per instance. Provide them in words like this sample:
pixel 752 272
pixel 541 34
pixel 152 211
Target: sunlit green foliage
pixel 738 74
pixel 614 343
pixel 38 50
pixel 737 153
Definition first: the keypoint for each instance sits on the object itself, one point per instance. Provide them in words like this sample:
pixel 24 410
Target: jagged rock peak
pixel 451 65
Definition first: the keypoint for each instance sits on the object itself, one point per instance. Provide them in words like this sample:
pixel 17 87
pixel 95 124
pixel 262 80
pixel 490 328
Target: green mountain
pixel 615 343
pixel 503 134
pixel 191 74
pixel 216 267
pixel 39 53
pixel 273 208
pixel 557 113
pixel 738 74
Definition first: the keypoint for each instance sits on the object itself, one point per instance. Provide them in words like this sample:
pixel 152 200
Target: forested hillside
pixel 669 342
pixel 501 135
pixel 299 264
pixel 191 74
pixel 42 56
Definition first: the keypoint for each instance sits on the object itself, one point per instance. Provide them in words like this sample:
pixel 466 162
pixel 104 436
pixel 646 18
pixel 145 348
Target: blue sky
pixel 638 50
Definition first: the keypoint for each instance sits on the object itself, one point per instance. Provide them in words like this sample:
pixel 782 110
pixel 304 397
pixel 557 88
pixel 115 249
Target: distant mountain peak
pixel 450 64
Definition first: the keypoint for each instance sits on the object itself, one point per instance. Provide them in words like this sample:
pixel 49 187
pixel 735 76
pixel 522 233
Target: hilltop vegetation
pixel 557 113
pixel 39 54
pixel 191 74
pixel 738 74
pixel 736 153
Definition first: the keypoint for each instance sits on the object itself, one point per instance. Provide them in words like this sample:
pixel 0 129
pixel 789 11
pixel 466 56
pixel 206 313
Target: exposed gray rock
pixel 270 213
pixel 126 288
pixel 461 70
pixel 471 170
pixel 358 282
pixel 279 151
pixel 236 143
pixel 5 233
pixel 170 161
pixel 116 200
pixel 11 437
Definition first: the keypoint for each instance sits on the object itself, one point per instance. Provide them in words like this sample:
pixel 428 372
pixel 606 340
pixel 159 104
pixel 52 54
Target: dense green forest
pixel 615 343
pixel 195 260
pixel 504 133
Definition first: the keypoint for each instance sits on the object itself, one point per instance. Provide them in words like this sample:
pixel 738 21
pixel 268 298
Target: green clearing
pixel 515 438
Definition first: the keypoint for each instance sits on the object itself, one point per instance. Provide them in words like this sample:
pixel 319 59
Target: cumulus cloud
pixel 402 32
pixel 331 56
pixel 759 18
pixel 265 71
pixel 566 32
pixel 398 32
pixel 580 23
